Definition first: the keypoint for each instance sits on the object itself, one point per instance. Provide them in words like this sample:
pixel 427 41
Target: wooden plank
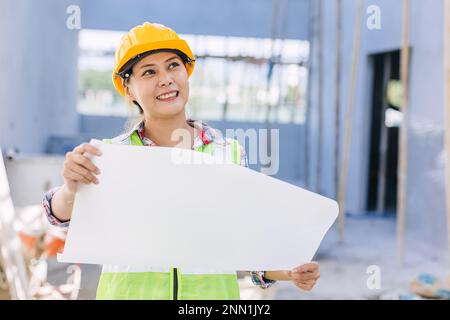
pixel 403 147
pixel 310 66
pixel 337 141
pixel 342 190
pixel 320 115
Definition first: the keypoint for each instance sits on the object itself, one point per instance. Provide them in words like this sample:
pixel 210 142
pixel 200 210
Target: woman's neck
pixel 170 132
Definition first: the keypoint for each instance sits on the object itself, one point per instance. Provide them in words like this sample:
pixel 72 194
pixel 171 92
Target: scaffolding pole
pixel 319 97
pixel 310 66
pixel 403 148
pixel 342 190
pixel 338 94
pixel 447 113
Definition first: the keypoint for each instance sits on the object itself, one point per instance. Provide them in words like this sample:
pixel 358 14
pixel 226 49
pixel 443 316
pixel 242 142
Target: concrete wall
pixel 426 194
pixel 426 218
pixel 38 86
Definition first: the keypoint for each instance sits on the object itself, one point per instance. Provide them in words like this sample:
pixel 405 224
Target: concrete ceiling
pixel 240 18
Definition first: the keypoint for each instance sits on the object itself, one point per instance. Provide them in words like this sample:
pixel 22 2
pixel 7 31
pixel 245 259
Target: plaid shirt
pixel 206 135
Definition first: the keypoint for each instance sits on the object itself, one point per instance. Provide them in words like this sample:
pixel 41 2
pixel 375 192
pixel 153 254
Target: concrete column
pixel 38 82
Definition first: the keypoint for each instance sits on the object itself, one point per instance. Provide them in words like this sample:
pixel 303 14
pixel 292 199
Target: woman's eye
pixel 148 72
pixel 173 65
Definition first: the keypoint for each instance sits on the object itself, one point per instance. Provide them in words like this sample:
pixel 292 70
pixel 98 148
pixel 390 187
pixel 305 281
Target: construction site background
pixel 359 91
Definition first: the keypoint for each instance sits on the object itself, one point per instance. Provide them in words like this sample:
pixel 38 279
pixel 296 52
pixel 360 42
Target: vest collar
pixel 206 134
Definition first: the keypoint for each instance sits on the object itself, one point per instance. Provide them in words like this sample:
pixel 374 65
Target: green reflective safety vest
pixel 172 284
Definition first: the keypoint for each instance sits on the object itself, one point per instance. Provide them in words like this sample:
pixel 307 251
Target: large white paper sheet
pixel 151 209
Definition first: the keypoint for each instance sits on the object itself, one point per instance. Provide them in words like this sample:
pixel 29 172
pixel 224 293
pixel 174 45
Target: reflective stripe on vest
pixel 174 284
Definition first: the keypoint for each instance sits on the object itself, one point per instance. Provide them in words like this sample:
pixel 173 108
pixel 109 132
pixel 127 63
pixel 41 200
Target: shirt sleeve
pixel 257 277
pixel 47 206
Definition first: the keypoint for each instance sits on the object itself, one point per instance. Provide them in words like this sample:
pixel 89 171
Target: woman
pixel 152 69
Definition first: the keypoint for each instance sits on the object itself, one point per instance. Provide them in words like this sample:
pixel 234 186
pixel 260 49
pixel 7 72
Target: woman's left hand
pixel 305 276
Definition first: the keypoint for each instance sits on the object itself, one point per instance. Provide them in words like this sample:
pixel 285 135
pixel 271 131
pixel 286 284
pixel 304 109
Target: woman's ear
pixel 129 92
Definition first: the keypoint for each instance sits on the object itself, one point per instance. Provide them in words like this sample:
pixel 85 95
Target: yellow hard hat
pixel 146 39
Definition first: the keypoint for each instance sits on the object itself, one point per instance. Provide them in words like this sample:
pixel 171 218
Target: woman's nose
pixel 165 79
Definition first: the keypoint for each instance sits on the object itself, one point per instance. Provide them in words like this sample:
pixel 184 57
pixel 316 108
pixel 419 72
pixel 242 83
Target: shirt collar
pixel 206 134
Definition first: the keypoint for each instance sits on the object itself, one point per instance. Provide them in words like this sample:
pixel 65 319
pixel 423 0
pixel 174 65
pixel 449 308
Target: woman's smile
pixel 168 96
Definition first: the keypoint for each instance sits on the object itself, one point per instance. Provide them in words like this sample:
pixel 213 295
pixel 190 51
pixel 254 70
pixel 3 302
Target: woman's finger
pixel 71 175
pixel 85 162
pixel 307 283
pixel 305 287
pixel 86 147
pixel 306 276
pixel 308 267
pixel 82 171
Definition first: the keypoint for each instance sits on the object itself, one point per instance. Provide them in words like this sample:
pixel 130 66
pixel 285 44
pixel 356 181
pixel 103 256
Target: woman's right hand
pixel 79 168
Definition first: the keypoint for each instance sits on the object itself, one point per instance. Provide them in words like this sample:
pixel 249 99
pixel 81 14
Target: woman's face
pixel 159 83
